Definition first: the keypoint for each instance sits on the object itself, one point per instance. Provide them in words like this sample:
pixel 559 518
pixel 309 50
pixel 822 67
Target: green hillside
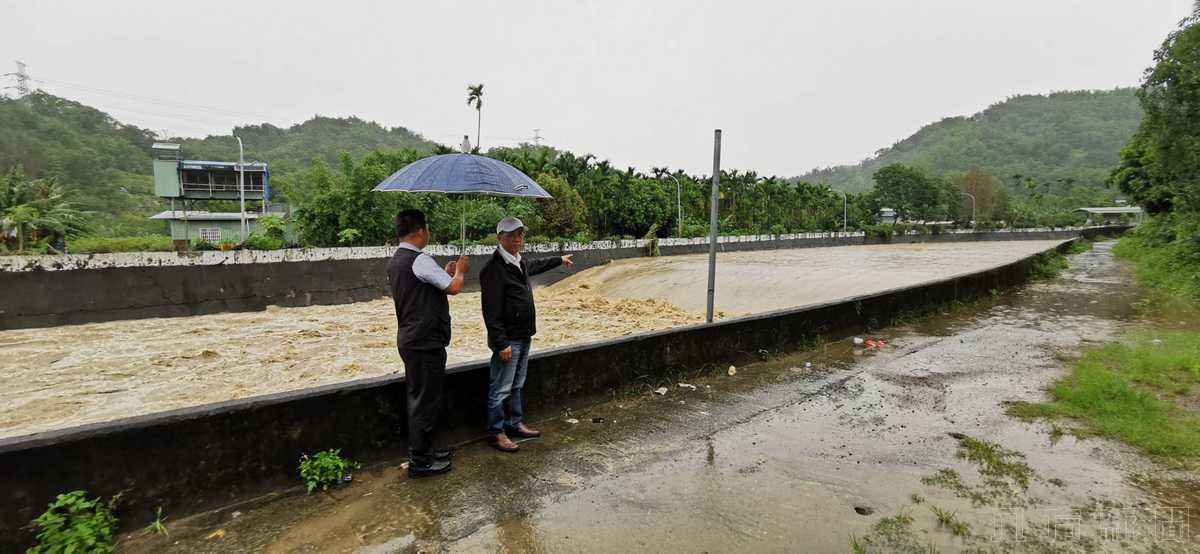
pixel 104 165
pixel 294 148
pixel 1065 135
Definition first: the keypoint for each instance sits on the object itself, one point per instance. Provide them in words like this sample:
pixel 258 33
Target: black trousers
pixel 425 372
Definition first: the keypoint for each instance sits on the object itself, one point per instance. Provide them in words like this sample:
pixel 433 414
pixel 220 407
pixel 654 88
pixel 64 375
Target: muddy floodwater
pixel 804 453
pixel 71 375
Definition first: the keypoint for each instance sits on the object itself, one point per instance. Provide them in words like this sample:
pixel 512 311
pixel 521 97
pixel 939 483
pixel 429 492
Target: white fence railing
pixel 161 259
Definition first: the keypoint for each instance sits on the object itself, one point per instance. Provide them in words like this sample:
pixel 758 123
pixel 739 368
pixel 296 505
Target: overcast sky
pixel 793 84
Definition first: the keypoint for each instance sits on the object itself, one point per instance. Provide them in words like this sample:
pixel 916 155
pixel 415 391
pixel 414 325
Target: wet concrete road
pixel 777 457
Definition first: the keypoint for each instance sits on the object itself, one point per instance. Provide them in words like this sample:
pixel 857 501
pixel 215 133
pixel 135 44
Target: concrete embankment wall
pixel 46 291
pixel 191 459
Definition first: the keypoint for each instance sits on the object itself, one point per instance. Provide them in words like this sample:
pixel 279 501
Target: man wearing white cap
pixel 511 322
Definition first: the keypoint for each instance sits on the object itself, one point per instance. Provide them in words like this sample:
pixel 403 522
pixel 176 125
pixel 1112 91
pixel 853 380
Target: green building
pixel 188 227
pixel 187 183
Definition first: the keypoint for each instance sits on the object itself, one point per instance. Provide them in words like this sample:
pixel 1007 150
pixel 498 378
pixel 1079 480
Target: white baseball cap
pixel 509 224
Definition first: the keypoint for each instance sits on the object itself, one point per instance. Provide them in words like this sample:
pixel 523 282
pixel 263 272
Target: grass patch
pixel 1079 246
pixel 891 534
pixel 98 245
pixel 1047 265
pixel 1128 391
pixel 1166 251
pixel 1004 475
pixel 996 461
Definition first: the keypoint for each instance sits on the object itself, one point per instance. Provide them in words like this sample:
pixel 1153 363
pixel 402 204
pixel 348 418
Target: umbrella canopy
pixel 462 174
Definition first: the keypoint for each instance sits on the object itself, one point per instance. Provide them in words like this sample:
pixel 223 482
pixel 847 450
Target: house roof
pixel 1112 210
pixel 180 215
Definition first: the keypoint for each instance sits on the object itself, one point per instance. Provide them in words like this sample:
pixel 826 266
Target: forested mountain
pixel 1050 138
pixel 104 165
pixel 295 147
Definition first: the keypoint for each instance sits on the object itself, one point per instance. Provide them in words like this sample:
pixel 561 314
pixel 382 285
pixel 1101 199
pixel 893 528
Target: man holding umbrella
pixel 511 323
pixel 419 291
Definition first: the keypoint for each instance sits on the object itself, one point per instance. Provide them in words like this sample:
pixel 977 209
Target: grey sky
pixel 793 85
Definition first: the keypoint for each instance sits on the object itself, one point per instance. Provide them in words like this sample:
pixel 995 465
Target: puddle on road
pixel 777 457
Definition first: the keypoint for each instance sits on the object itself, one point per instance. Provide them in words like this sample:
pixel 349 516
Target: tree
pixel 1160 166
pixel 475 99
pixel 913 194
pixel 990 201
pixel 565 215
pixel 37 209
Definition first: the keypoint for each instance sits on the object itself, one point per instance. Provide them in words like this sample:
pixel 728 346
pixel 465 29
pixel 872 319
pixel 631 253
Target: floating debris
pixel 687 386
pixel 660 391
pixel 572 420
pixel 732 371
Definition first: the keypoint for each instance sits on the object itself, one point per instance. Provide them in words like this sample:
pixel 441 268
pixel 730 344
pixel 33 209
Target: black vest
pixel 422 310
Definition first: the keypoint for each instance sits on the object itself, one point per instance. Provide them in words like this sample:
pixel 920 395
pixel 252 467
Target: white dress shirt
pixel 426 269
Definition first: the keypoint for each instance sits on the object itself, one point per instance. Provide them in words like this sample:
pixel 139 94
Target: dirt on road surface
pixel 901 449
pixel 72 375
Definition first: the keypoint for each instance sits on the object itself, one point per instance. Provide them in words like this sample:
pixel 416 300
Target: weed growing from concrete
pixel 1005 475
pixel 892 534
pixel 72 523
pixel 156 527
pixel 995 461
pixel 324 469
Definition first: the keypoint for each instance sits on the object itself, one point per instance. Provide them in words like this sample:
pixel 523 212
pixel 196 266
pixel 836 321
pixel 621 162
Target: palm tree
pixel 475 99
pixel 38 206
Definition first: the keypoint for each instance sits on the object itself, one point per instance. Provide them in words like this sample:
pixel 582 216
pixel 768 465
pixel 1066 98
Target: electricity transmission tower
pixel 537 137
pixel 22 80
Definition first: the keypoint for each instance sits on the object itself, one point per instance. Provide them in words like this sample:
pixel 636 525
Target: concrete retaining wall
pixel 44 291
pixel 190 459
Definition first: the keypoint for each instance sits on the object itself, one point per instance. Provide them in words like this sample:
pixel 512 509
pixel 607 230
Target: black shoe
pixel 443 455
pixel 436 467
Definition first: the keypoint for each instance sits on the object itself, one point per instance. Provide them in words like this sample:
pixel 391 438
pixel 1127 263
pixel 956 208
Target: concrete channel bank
pixel 190 459
pixel 46 291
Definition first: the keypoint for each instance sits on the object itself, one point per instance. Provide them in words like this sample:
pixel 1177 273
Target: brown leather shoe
pixel 524 432
pixel 502 443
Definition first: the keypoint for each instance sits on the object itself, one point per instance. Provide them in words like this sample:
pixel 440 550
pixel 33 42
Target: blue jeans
pixel 504 388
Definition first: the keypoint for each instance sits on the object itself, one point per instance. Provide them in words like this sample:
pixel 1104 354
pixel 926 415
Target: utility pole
pixel 712 223
pixel 22 79
pixel 242 183
pixel 679 204
pixel 845 209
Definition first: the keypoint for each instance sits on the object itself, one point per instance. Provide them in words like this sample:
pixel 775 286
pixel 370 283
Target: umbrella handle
pixel 463 228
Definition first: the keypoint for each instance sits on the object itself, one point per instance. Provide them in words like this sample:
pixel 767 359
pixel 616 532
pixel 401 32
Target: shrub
pixel 143 243
pixel 273 226
pixel 202 245
pixel 260 242
pixel 324 469
pixel 72 523
pixel 349 236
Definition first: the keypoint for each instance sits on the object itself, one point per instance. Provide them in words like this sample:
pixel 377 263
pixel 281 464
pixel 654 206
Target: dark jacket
pixel 508 308
pixel 422 310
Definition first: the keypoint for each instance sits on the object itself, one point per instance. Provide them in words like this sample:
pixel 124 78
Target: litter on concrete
pixel 732 371
pixel 572 421
pixel 660 391
pixel 687 386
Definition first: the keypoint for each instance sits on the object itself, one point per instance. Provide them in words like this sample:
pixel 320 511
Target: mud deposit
pixel 863 445
pixel 72 375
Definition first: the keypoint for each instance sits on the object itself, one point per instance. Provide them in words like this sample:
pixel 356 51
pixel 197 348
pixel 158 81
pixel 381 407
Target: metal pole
pixel 845 210
pixel 712 223
pixel 242 184
pixel 678 204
